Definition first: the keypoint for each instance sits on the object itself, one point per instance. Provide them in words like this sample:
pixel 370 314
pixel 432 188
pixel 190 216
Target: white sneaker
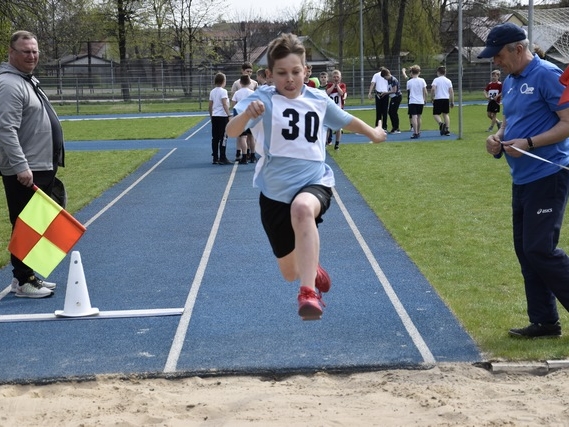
pixel 33 290
pixel 14 285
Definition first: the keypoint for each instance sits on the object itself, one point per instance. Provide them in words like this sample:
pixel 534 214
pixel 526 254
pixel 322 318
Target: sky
pixel 267 9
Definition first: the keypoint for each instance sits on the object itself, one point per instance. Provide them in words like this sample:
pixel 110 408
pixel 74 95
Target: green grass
pixel 447 203
pixel 120 107
pixel 125 129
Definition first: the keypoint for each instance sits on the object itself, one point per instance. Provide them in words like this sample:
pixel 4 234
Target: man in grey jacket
pixel 31 146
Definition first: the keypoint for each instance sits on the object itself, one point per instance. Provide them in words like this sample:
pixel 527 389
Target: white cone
pixel 77 302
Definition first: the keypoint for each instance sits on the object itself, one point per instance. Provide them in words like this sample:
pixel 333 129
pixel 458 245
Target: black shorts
pixel 246 132
pixel 493 107
pixel 415 109
pixel 275 217
pixel 441 106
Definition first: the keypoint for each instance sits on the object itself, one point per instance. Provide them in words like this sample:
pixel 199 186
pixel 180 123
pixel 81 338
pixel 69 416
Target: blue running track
pixel 178 264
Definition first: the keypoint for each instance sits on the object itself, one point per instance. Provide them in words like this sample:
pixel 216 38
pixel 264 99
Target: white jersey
pixel 217 95
pixel 237 85
pixel 416 86
pixel 381 85
pixel 442 86
pixel 291 140
pixel 242 93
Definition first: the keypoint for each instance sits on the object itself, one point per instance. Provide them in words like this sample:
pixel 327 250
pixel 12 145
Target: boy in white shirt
pixel 442 96
pixel 417 88
pixel 219 116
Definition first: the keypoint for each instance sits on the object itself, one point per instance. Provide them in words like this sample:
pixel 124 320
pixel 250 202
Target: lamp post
pixel 460 42
pixel 361 52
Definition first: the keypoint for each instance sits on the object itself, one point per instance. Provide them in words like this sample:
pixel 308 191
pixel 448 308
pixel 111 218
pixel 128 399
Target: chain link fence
pixel 170 82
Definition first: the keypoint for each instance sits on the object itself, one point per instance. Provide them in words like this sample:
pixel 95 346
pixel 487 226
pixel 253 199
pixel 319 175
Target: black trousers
pixel 537 212
pixel 218 148
pixel 381 106
pixel 393 111
pixel 17 197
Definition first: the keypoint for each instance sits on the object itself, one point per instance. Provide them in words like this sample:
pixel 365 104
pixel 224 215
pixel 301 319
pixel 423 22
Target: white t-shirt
pixel 217 95
pixel 415 86
pixel 442 87
pixel 381 84
pixel 237 85
pixel 242 93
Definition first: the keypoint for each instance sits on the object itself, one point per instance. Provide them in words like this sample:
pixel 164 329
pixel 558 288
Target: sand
pixel 446 395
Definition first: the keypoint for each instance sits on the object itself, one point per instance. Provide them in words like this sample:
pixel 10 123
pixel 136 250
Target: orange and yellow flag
pixel 44 233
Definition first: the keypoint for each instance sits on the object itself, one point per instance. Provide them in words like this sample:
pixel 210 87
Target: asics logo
pixel 544 211
pixel 526 90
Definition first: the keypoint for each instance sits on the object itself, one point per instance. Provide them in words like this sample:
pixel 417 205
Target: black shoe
pixel 415 136
pixel 215 162
pixel 225 162
pixel 252 158
pixel 243 160
pixel 537 330
pixel 442 128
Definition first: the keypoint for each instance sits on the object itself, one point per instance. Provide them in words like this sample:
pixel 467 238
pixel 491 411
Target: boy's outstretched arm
pixel 376 135
pixel 237 124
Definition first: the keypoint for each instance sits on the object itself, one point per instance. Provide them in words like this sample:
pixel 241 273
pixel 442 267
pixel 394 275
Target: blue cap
pixel 500 36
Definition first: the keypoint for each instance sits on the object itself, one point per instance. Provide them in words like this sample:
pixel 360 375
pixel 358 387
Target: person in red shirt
pixel 336 90
pixel 307 80
pixel 493 92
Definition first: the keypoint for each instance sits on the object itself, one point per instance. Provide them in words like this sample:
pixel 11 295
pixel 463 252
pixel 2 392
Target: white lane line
pixel 400 310
pixel 197 130
pixel 113 314
pixel 181 331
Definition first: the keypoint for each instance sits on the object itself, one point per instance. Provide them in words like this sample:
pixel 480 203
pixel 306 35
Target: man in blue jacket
pixel 534 123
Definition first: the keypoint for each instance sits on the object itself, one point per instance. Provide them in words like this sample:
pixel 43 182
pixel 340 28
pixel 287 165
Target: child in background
pixel 288 120
pixel 493 93
pixel 307 80
pixel 323 80
pixel 417 88
pixel 338 92
pixel 219 116
pixel 261 77
pixel 245 141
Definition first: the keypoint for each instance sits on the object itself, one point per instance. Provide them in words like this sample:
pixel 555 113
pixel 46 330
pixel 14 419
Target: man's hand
pixel 520 143
pixel 494 145
pixel 26 178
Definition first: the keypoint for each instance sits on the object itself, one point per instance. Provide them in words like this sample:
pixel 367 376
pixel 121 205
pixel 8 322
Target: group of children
pixel 221 103
pixel 442 97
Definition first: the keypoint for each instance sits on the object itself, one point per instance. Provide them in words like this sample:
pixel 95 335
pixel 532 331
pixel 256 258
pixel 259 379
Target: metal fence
pixel 170 82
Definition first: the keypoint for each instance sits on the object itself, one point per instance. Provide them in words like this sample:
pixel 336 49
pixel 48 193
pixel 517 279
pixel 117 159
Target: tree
pixel 186 18
pixel 404 25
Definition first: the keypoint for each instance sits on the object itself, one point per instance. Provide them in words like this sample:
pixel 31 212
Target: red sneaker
pixel 309 304
pixel 323 281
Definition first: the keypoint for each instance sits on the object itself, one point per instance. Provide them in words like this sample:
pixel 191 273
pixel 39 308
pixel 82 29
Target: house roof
pixel 258 56
pixel 481 25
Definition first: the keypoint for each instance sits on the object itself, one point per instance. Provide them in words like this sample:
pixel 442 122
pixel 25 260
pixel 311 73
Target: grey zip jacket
pixel 26 139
